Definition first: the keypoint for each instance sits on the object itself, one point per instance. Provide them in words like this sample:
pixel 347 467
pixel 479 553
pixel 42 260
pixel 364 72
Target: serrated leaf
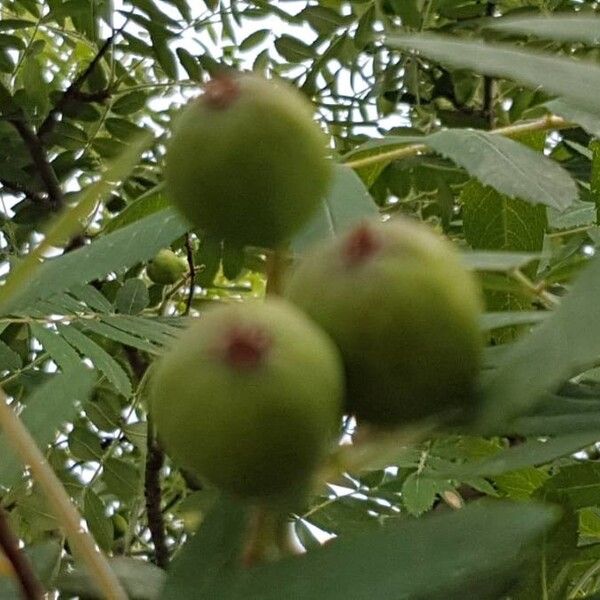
pixel 419 493
pixel 508 166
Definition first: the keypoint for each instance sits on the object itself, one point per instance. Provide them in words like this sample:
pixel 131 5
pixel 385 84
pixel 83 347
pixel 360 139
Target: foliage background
pixel 407 91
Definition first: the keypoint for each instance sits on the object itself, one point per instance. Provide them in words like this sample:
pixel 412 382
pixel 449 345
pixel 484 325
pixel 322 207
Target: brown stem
pixel 17 188
pixel 40 160
pixel 31 586
pixel 73 91
pixel 190 259
pixel 489 83
pixel 155 459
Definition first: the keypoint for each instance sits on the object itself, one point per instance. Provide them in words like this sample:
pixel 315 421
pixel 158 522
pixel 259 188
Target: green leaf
pixel 499 262
pixel 536 363
pixel 578 484
pixel 531 453
pixel 508 166
pixel 112 333
pixel 575 80
pixel 494 222
pixel 147 204
pixel 209 555
pixel 433 558
pixel 29 274
pixel 132 297
pixel 121 478
pixel 60 351
pixel 99 357
pixel 347 202
pixel 586 119
pixel 9 359
pixel 141 580
pixel 118 250
pixel 492 320
pixel 562 28
pixel 292 49
pixel 129 103
pixel 96 516
pixel 49 407
pixel 419 493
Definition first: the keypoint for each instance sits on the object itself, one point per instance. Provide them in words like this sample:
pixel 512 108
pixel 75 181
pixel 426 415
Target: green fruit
pixel 246 162
pixel 166 267
pixel 249 399
pixel 404 313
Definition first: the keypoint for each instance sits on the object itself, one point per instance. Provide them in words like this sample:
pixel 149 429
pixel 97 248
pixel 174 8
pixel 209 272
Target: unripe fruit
pixel 166 267
pixel 404 313
pixel 249 399
pixel 246 162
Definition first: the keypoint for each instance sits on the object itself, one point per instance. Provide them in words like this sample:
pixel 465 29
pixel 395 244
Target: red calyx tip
pixel 246 347
pixel 220 92
pixel 360 245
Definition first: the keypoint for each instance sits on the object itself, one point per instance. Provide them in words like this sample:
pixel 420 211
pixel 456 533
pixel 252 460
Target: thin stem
pixel 80 540
pixel 192 272
pixel 31 586
pixel 40 160
pixel 541 124
pixel 155 459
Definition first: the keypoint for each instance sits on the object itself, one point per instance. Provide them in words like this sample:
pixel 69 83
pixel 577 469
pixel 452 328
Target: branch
pixel 40 160
pixel 80 541
pixel 190 259
pixel 541 124
pixel 155 459
pixel 31 587
pixel 18 188
pixel 73 91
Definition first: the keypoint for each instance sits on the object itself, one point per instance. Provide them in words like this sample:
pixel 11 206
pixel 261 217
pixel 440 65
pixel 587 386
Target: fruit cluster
pixel 380 323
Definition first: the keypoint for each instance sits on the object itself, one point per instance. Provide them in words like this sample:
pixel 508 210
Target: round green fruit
pixel 166 267
pixel 250 399
pixel 246 161
pixel 404 313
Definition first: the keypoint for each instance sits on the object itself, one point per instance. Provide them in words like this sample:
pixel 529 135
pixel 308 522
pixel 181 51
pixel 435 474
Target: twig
pixel 31 586
pixel 40 160
pixel 80 540
pixel 541 124
pixel 155 459
pixel 489 83
pixel 73 92
pixel 190 259
pixel 18 188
